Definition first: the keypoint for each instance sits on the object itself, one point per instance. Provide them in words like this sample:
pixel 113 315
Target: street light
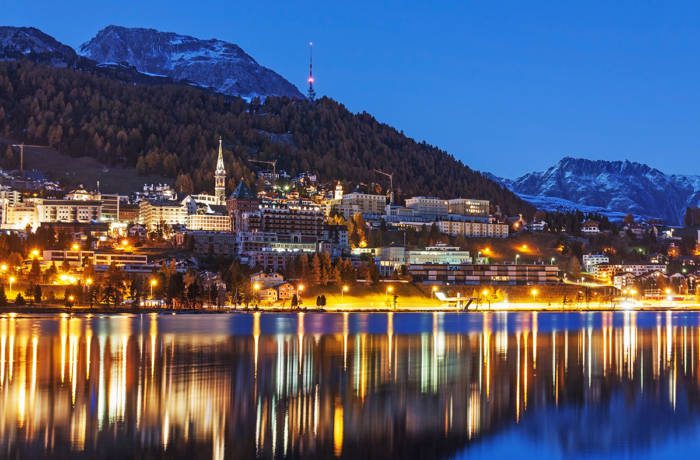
pixel 75 247
pixel 517 256
pixel 3 267
pixel 11 279
pixel 534 292
pixel 389 290
pixel 345 289
pixel 153 283
pixel 433 290
pixel 35 253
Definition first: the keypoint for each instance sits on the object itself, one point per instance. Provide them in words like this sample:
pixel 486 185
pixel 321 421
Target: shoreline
pixel 230 309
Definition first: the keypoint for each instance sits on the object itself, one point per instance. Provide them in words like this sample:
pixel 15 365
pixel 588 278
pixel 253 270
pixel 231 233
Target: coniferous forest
pixel 173 130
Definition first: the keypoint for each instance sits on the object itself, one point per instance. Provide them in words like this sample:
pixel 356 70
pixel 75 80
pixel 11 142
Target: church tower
pixel 220 177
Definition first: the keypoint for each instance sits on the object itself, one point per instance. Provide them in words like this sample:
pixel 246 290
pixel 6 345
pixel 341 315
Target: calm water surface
pixel 492 385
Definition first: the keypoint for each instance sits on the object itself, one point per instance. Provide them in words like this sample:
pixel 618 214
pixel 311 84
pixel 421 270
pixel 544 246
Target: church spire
pixel 220 161
pixel 220 175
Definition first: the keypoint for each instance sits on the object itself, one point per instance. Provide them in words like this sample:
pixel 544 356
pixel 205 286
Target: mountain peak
pixel 212 63
pixel 31 43
pixel 621 186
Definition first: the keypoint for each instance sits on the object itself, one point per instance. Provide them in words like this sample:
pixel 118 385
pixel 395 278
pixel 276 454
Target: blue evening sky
pixel 507 87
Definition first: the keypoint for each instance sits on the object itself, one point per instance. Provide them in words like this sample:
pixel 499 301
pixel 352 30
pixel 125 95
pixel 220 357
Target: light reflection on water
pixel 350 385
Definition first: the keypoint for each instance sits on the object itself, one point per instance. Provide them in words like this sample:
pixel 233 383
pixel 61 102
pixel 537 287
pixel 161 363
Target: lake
pixel 374 386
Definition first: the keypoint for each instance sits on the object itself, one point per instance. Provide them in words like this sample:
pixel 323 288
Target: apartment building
pixel 487 274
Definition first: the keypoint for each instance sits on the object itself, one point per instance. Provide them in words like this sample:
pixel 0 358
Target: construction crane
pixel 21 153
pixel 391 184
pixel 272 163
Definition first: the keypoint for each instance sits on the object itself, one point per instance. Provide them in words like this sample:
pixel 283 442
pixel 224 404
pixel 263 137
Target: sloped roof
pixel 242 191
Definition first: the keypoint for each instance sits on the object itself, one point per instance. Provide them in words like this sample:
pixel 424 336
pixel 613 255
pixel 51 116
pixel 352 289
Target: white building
pixel 153 213
pixel 428 206
pixel 83 211
pixel 468 207
pixel 590 227
pixel 441 254
pixel 473 229
pixel 590 261
pixel 349 204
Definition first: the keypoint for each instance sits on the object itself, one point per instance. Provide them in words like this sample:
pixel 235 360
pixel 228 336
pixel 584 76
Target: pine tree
pixel 315 275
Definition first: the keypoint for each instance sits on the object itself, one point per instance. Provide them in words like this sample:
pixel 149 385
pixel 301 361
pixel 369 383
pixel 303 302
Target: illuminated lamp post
pixel 534 292
pixel 153 283
pixel 11 279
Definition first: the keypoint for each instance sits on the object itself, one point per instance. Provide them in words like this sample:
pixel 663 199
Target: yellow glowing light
pixel 435 288
pixel 71 297
pixel 3 267
pixel 534 292
pixel 35 253
pixel 363 244
pixel 12 279
pixel 75 247
pixel 88 281
pixel 153 282
pixel 390 289
pixel 67 279
pixel 125 242
pixel 300 288
pixel 485 292
pixel 346 288
pixel 256 286
pixel 667 291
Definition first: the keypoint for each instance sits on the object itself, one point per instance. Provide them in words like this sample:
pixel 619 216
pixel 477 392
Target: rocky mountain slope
pixel 615 187
pixel 30 43
pixel 214 64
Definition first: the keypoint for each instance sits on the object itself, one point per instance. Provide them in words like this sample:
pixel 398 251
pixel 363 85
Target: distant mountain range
pixel 152 57
pixel 614 188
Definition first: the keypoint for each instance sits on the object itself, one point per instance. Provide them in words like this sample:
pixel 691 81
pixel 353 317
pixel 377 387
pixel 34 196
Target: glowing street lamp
pixel 3 267
pixel 11 279
pixel 517 256
pixel 88 282
pixel 345 289
pixel 389 290
pixel 75 247
pixel 34 253
pixel 153 283
pixel 433 290
pixel 534 292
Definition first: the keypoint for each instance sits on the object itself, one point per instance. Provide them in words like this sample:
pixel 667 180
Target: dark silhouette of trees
pixel 173 129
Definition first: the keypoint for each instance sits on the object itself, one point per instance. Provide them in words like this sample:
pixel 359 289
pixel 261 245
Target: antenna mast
pixel 311 91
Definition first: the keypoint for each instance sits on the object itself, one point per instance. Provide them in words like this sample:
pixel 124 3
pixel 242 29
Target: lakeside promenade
pixel 358 307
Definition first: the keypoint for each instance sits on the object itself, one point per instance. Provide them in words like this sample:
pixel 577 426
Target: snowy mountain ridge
pixel 611 187
pixel 215 64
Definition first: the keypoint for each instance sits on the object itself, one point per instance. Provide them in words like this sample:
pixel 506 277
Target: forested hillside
pixel 173 130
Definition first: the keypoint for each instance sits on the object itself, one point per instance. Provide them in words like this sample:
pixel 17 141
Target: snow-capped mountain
pixel 33 44
pixel 221 66
pixel 612 187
